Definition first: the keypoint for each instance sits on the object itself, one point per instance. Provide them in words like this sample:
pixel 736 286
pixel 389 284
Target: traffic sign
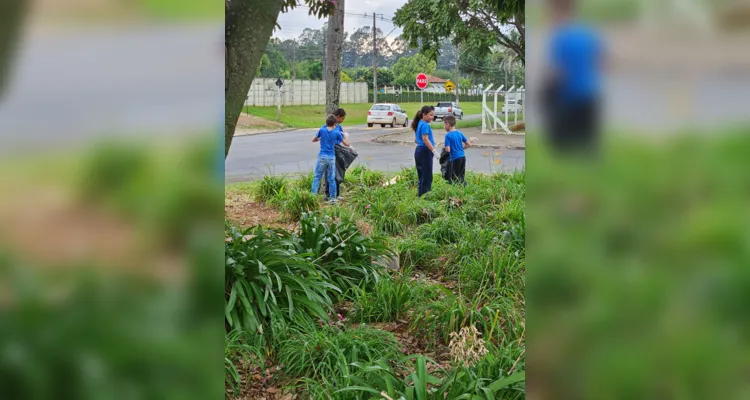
pixel 449 86
pixel 421 81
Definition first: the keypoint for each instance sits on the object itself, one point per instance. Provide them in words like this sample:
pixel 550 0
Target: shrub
pixel 348 257
pixel 265 276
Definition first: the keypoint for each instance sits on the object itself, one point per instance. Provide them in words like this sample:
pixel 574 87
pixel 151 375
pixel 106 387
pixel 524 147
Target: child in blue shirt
pixel 425 150
pixel 328 136
pixel 455 143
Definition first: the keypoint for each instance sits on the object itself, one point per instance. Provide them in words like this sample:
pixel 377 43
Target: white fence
pixel 513 102
pixel 264 92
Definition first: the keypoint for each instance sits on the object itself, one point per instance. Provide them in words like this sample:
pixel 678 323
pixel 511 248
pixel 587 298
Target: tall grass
pixel 388 301
pixel 328 353
pixel 270 186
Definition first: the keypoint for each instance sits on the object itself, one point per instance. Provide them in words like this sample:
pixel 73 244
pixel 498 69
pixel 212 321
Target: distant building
pixel 435 84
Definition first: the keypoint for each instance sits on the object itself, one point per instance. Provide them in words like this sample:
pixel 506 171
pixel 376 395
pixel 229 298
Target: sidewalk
pixel 477 139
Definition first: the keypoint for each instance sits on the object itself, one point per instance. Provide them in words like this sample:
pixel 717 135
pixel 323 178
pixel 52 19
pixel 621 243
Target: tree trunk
pixel 249 25
pixel 334 43
pixel 12 15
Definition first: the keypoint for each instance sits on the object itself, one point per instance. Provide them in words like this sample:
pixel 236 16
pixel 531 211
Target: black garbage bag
pixel 345 156
pixel 445 164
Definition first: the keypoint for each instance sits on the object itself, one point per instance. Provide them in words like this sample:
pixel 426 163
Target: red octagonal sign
pixel 421 81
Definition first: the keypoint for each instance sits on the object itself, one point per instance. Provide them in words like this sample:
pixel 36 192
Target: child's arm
pixel 447 148
pixel 466 142
pixel 343 140
pixel 317 137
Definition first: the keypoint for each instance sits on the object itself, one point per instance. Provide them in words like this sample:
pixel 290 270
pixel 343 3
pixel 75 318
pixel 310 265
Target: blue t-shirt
pixel 576 53
pixel 455 140
pixel 423 128
pixel 328 140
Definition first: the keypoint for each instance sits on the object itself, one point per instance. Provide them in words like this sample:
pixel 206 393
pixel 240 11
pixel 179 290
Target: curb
pixel 236 134
pixel 478 146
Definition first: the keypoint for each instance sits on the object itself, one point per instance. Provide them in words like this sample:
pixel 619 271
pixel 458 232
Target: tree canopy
pixel 407 68
pixel 478 24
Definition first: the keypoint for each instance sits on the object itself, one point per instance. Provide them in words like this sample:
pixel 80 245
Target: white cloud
pixel 295 21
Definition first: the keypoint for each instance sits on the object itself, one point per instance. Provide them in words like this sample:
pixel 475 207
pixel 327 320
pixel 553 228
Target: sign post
pixel 422 85
pixel 449 86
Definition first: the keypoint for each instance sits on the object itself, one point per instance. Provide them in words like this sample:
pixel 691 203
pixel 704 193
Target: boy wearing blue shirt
pixel 455 143
pixel 329 137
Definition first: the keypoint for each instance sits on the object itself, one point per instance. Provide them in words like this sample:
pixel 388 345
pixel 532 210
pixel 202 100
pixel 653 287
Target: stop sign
pixel 421 81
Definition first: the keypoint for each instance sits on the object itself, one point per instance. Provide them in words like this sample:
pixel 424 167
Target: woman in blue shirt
pixel 425 147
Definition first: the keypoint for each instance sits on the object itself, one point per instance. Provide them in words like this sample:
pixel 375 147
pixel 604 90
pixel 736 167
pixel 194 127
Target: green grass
pixel 183 9
pixel 356 114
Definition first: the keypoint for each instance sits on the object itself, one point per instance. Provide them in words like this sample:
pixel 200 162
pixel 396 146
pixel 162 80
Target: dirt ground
pixel 242 210
pixel 249 124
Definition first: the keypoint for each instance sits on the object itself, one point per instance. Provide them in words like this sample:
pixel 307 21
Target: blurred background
pixel 638 253
pixel 111 174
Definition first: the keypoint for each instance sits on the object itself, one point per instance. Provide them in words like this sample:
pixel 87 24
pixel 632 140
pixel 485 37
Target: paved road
pixel 292 152
pixel 70 86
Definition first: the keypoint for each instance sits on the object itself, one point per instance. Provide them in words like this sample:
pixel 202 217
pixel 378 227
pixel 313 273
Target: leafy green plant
pixel 270 186
pixel 265 276
pixel 387 301
pixel 347 256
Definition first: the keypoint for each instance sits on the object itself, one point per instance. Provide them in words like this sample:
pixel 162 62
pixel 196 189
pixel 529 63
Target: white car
pixel 513 106
pixel 387 114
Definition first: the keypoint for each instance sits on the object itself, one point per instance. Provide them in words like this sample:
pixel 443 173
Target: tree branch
pixel 504 39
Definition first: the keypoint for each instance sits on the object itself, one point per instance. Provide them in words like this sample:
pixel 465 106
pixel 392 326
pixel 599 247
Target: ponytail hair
pixel 418 117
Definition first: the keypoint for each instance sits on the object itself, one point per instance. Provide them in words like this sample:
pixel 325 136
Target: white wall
pixel 264 92
pixel 435 88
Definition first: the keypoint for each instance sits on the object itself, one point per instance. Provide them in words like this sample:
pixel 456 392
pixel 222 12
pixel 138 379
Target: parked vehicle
pixel 444 108
pixel 512 105
pixel 387 114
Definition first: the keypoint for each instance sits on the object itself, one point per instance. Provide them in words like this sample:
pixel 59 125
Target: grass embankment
pixel 315 311
pixel 356 114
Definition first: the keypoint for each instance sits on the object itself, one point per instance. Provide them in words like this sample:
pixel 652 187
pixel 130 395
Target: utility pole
pixel 294 61
pixel 294 67
pixel 458 74
pixel 374 62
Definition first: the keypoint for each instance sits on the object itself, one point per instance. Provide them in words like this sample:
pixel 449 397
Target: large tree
pixel 12 13
pixel 474 24
pixel 406 69
pixel 248 26
pixel 335 39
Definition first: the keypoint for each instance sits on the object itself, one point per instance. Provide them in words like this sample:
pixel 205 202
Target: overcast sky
pixel 295 21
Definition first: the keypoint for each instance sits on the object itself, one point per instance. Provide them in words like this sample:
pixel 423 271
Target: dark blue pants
pixel 423 157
